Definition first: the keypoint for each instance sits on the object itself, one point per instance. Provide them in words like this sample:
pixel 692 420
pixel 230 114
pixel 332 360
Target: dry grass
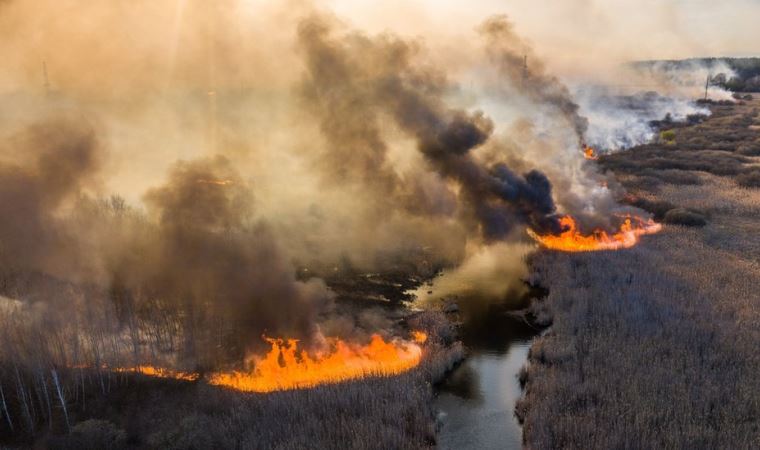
pixel 104 409
pixel 656 347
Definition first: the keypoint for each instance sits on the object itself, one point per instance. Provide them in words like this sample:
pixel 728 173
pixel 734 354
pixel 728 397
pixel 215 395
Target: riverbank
pixel 475 401
pixel 656 346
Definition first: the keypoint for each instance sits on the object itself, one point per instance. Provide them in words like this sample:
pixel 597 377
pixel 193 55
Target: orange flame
pixel 160 372
pixel 572 240
pixel 285 367
pixel 590 153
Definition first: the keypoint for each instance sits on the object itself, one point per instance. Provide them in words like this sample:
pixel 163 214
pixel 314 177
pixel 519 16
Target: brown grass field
pixel 656 346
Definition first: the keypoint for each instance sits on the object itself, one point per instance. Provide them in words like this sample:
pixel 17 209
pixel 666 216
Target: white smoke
pixel 687 78
pixel 618 122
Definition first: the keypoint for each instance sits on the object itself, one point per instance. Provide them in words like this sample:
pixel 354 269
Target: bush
pixel 749 149
pixel 749 179
pixel 685 217
pixel 642 183
pixel 668 136
pixel 657 208
pixel 193 432
pixel 91 434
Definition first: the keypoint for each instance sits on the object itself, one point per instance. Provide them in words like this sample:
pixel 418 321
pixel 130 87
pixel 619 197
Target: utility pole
pixel 525 70
pixel 707 85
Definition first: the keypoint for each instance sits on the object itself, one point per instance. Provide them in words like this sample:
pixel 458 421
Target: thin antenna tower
pixel 45 76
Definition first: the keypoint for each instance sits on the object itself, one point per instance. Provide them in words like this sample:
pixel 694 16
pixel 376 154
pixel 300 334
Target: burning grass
pixel 657 346
pixel 163 408
pixel 160 372
pixel 286 367
pixel 573 240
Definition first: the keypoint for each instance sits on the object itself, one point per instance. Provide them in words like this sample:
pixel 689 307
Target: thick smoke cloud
pixel 360 150
pixel 42 169
pixel 210 250
pixel 494 198
pixel 199 256
pixel 517 62
pixel 622 121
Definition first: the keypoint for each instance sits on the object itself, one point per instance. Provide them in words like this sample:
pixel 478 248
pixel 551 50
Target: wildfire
pixel 286 367
pixel 590 153
pixel 419 337
pixel 572 240
pixel 160 372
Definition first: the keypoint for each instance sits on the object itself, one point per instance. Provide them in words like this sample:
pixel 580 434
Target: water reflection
pixel 477 400
pixel 464 383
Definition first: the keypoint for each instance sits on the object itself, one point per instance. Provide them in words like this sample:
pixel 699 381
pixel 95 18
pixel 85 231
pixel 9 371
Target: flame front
pixel 419 337
pixel 160 372
pixel 590 153
pixel 286 367
pixel 572 240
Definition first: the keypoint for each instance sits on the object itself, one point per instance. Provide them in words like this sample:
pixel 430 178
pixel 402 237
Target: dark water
pixel 477 400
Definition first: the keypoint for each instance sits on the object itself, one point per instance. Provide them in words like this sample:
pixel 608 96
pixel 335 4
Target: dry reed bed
pixel 655 347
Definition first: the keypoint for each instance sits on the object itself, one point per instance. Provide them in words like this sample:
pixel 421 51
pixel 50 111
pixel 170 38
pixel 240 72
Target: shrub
pixel 193 432
pixel 749 149
pixel 669 136
pixel 654 207
pixel 682 216
pixel 642 183
pixel 92 434
pixel 749 179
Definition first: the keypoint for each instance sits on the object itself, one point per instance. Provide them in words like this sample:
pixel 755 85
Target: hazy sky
pixel 624 28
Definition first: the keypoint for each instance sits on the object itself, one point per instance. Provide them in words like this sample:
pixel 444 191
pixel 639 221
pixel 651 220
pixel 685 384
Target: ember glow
pixel 590 153
pixel 572 240
pixel 419 337
pixel 288 367
pixel 160 372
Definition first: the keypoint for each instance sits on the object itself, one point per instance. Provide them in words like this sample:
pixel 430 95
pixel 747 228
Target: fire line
pixel 572 240
pixel 286 367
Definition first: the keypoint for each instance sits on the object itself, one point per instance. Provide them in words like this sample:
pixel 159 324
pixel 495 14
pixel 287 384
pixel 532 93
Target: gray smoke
pixel 212 255
pixel 42 169
pixel 392 81
pixel 509 52
pixel 622 121
pixel 199 262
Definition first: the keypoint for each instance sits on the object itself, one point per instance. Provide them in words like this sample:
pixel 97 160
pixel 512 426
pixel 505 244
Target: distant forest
pixel 746 76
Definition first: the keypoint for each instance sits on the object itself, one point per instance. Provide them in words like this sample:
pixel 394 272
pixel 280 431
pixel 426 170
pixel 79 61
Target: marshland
pixel 354 224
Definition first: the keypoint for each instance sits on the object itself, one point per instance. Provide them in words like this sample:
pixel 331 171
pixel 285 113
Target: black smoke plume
pixel 41 170
pixel 216 262
pixel 411 94
pixel 195 275
pixel 509 52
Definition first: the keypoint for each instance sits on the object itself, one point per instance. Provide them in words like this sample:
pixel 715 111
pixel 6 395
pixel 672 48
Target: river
pixel 476 401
